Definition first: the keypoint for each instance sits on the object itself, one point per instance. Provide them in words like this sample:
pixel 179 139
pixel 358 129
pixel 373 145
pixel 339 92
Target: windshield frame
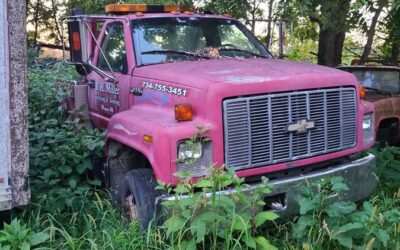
pixel 241 27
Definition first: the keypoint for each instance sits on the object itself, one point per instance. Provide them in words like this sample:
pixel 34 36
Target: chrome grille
pixel 255 128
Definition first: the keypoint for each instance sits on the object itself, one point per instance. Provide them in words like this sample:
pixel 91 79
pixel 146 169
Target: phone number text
pixel 165 88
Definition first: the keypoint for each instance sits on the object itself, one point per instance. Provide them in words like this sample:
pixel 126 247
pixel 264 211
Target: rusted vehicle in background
pixel 382 88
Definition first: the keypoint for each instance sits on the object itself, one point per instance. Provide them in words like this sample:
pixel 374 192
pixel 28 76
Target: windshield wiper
pixel 178 52
pixel 244 51
pixel 379 91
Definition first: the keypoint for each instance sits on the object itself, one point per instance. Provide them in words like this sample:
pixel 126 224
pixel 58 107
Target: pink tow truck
pixel 154 73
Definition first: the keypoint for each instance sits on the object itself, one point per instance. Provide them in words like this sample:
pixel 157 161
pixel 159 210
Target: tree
pixel 45 15
pixel 371 30
pixel 331 17
pixel 247 10
pixel 393 38
pixel 238 9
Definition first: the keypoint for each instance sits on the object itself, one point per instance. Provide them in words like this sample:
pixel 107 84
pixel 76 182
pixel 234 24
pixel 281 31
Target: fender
pixel 129 128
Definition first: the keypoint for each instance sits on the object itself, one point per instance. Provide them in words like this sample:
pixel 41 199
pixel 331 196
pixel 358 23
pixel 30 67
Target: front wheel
pixel 139 196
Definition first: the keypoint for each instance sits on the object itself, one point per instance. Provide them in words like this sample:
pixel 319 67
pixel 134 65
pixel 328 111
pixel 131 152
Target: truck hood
pixel 201 74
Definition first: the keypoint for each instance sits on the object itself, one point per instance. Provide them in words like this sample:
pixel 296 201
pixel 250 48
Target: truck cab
pixel 154 74
pixel 382 89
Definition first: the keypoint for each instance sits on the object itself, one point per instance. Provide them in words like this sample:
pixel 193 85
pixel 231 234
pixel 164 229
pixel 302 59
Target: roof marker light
pixel 145 8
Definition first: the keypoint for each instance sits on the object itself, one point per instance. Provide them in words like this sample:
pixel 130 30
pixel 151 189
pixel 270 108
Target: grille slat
pixel 256 127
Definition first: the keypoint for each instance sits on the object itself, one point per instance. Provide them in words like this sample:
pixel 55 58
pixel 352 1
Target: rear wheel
pixel 139 196
pixel 388 133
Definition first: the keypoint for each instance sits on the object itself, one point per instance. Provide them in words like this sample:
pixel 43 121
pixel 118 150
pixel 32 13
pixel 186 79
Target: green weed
pixel 208 218
pixel 17 236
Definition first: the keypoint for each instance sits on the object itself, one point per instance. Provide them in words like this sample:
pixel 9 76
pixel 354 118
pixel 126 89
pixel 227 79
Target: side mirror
pixel 77 33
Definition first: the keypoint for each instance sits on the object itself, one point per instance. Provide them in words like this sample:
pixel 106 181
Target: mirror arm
pixel 106 76
pixel 113 77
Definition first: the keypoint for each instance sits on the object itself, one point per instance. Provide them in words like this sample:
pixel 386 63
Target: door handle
pixel 91 83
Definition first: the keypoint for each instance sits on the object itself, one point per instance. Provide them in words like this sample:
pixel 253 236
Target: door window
pixel 114 50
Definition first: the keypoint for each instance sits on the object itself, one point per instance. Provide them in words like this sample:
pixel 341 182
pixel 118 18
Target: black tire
pixel 141 184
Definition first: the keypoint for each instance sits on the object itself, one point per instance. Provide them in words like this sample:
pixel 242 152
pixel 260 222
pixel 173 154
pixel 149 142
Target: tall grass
pixel 95 224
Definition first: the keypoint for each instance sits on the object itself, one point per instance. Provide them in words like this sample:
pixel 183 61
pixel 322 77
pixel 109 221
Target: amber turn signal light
pixel 148 138
pixel 183 112
pixel 362 92
pixel 76 41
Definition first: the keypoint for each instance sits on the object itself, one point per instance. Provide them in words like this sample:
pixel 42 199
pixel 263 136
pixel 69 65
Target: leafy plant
pixel 388 161
pixel 320 219
pixel 17 236
pixel 203 214
pixel 325 222
pixel 61 150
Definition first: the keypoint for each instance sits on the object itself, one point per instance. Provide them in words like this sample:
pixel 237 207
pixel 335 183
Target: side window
pixel 114 50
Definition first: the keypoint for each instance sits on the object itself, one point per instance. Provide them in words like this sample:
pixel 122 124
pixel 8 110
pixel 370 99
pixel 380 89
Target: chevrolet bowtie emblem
pixel 300 127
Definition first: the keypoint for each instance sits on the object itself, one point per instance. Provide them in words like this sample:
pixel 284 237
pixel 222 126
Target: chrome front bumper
pixel 359 176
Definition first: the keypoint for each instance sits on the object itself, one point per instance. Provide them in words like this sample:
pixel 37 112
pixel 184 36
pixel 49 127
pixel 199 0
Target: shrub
pixel 61 150
pixel 326 224
pixel 212 219
pixel 17 236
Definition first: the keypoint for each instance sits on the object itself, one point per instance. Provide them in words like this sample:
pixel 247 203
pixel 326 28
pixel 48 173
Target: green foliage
pixel 16 236
pixel 326 223
pixel 238 9
pixel 94 223
pixel 211 219
pixel 202 214
pixel 61 150
pixel 388 160
pixel 301 51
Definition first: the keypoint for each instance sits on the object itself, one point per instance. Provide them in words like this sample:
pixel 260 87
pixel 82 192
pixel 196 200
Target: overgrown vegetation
pixel 216 221
pixel 70 210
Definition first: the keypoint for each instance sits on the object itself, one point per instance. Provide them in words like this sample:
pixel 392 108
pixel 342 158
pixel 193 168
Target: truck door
pixel 107 98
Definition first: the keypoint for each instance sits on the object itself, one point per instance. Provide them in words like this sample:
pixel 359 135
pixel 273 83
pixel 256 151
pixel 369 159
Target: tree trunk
pixel 395 54
pixel 56 24
pixel 332 32
pixel 36 21
pixel 269 27
pixel 370 35
pixel 253 17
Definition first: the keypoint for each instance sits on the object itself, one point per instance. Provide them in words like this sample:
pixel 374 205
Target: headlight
pixel 194 157
pixel 190 151
pixel 367 122
pixel 368 128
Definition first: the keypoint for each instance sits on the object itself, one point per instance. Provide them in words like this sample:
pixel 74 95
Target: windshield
pixel 384 80
pixel 171 39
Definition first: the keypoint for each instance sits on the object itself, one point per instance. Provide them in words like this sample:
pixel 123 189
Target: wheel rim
pixel 130 208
